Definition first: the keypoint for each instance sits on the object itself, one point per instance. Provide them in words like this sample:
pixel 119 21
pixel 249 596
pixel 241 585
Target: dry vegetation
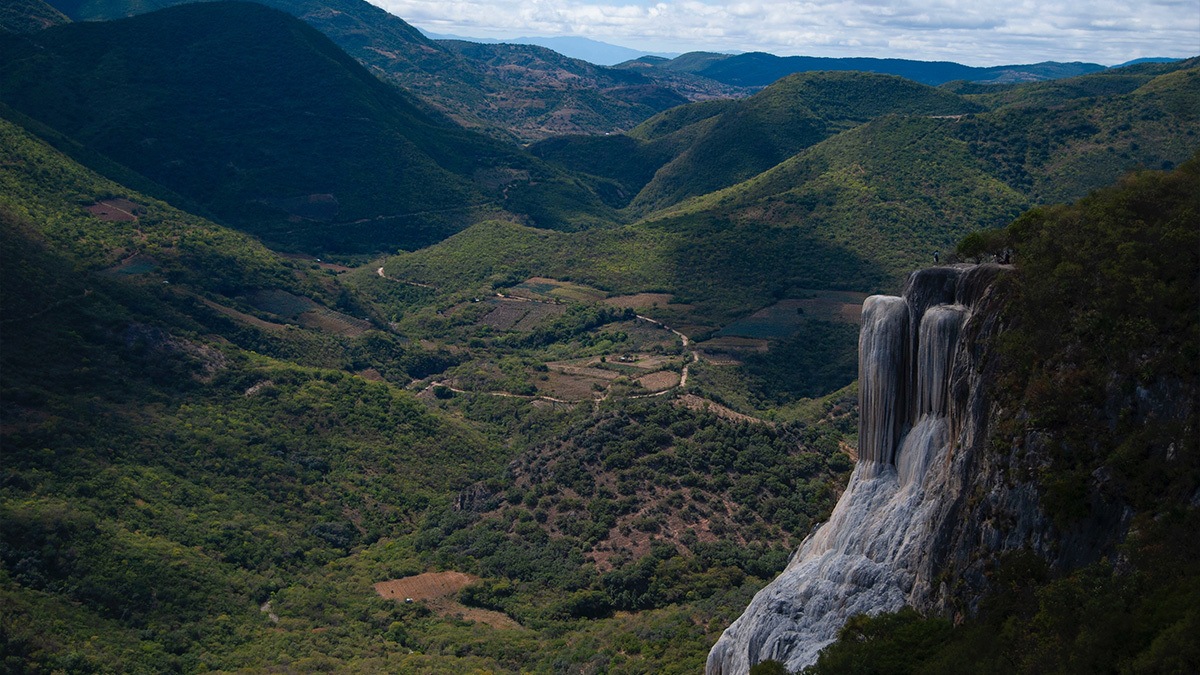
pixel 439 590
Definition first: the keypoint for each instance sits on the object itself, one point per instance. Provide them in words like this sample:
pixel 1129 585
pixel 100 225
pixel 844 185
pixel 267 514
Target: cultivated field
pixel 519 315
pixel 282 303
pixel 725 351
pixel 330 321
pixel 658 381
pixel 643 300
pixel 542 288
pixel 116 210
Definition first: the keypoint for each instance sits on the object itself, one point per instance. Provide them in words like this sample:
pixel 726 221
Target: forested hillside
pixel 263 121
pixel 283 346
pixel 1098 397
pixel 514 92
pixel 195 426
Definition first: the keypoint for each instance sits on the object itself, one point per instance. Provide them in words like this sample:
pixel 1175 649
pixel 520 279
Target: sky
pixel 973 32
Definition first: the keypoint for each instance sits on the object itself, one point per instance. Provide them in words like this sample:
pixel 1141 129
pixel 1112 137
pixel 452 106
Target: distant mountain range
pixel 759 69
pixel 545 86
pixel 592 51
pixel 516 92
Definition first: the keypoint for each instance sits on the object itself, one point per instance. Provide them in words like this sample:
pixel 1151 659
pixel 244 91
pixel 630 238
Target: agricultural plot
pixel 729 351
pixel 643 336
pixel 571 386
pixel 425 587
pixel 542 288
pixel 243 317
pixel 659 380
pixel 584 368
pixel 116 210
pixel 520 315
pixel 330 321
pixel 646 301
pixel 282 303
pixel 578 379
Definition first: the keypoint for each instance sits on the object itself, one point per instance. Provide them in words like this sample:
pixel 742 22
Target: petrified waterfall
pixel 876 552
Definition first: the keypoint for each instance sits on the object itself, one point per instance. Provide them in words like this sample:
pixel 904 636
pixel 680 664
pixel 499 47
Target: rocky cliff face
pixel 930 506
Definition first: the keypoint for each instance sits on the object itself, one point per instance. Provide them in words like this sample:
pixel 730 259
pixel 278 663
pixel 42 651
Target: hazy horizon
pixel 1108 33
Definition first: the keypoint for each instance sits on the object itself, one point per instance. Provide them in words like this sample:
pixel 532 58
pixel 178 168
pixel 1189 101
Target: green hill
pixel 695 149
pixel 900 187
pixel 514 92
pixel 196 478
pixel 264 122
pixel 783 119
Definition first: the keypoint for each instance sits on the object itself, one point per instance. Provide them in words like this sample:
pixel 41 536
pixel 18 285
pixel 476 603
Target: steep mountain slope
pixel 561 95
pixel 158 462
pixel 789 116
pixel 553 94
pixel 898 188
pixel 1081 439
pixel 209 462
pixel 703 147
pixel 584 49
pixel 266 123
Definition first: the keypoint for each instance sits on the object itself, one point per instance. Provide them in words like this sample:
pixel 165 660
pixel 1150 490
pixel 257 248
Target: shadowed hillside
pixel 263 121
pixel 512 91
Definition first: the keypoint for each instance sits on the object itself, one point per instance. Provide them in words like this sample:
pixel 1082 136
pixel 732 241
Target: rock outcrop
pixel 928 500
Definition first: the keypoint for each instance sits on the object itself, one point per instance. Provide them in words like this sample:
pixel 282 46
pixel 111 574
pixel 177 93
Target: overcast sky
pixel 974 32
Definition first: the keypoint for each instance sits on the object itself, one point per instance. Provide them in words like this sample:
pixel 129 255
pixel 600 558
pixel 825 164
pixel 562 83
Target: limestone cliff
pixel 929 502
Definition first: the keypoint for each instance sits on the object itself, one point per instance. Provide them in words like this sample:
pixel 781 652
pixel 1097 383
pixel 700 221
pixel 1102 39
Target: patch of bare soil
pixel 437 591
pixel 542 288
pixel 424 587
pixel 583 370
pixel 658 381
pixel 507 314
pixel 572 387
pixel 693 402
pixel 641 300
pixel 117 210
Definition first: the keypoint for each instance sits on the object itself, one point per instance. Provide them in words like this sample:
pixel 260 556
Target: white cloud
pixel 971 32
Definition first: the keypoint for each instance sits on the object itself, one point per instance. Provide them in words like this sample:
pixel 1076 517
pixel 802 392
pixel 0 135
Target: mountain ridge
pixel 265 108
